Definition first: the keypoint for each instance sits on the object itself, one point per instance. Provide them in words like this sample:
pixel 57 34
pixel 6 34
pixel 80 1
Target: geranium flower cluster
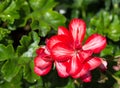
pixel 69 55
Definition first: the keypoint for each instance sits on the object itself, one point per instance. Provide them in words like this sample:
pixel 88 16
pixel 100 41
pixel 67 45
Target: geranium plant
pixel 59 43
pixel 70 56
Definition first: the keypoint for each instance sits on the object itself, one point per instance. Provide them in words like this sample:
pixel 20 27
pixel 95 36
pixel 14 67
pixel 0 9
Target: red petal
pixel 95 42
pixel 63 31
pixel 61 68
pixel 39 62
pixel 61 52
pixel 87 77
pixel 42 72
pixel 74 65
pixel 84 70
pixel 103 66
pixel 40 50
pixel 94 62
pixel 85 53
pixel 77 28
pixel 57 39
pixel 44 54
pixel 52 41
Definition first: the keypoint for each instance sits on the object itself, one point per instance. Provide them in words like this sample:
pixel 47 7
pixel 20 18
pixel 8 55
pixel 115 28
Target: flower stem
pixel 83 13
pixel 78 84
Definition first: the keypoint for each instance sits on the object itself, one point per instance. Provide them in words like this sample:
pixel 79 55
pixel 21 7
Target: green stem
pixel 78 84
pixel 83 13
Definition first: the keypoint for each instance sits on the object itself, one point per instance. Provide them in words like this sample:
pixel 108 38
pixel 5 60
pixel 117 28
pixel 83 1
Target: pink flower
pixel 43 61
pixel 71 56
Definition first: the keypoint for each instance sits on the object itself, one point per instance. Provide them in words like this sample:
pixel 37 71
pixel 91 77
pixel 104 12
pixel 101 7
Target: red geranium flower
pixel 72 57
pixel 43 61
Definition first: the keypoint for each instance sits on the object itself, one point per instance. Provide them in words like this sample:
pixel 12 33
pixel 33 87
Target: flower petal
pixel 94 62
pixel 77 29
pixel 61 68
pixel 103 66
pixel 57 39
pixel 42 72
pixel 87 77
pixel 61 52
pixel 40 50
pixel 85 53
pixel 74 65
pixel 63 31
pixel 44 54
pixel 84 70
pixel 95 42
pixel 39 62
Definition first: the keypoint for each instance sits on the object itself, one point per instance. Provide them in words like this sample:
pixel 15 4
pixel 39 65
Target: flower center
pixel 76 51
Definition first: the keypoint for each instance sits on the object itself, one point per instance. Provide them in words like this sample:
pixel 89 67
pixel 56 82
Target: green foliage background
pixel 25 24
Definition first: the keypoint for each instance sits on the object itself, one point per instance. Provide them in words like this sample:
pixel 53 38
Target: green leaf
pixel 10 69
pixel 29 74
pixel 3 33
pixel 4 5
pixel 6 52
pixel 10 13
pixel 43 17
pixel 90 31
pixel 39 84
pixel 44 21
pixel 43 27
pixel 101 22
pixel 117 53
pixel 117 74
pixel 23 60
pixel 42 4
pixel 33 46
pixel 14 83
pixel 28 45
pixel 25 42
pixel 107 18
pixel 114 29
pixel 54 19
pixel 95 23
pixel 24 11
pixel 107 51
